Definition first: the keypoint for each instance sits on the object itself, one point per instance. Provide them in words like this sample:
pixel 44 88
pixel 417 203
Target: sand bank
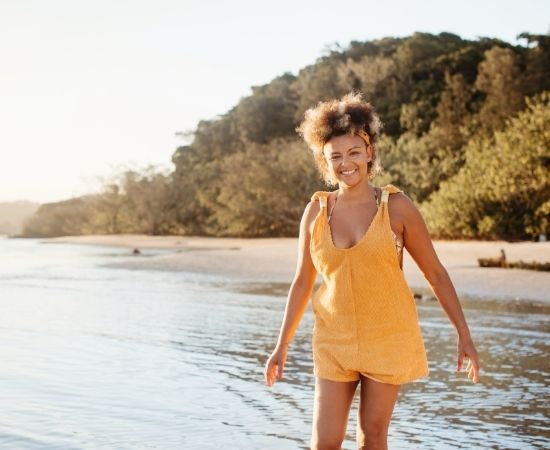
pixel 274 260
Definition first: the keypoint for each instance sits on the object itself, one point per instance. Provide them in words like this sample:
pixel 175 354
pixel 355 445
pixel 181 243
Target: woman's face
pixel 347 157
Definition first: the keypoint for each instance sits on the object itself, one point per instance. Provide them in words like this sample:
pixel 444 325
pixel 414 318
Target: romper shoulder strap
pixel 387 190
pixel 322 197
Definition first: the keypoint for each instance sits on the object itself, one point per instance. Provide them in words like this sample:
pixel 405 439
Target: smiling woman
pixel 366 326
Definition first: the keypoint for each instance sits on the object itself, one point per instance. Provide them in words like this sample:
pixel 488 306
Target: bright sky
pixel 88 87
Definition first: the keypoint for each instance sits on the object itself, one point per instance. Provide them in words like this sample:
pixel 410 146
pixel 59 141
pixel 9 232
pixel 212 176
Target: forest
pixel 466 135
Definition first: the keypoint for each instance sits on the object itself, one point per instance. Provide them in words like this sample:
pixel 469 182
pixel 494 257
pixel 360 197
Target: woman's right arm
pixel 298 296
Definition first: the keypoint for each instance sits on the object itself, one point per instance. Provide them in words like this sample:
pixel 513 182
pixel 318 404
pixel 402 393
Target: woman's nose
pixel 345 159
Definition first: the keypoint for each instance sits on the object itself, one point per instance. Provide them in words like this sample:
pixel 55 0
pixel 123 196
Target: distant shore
pixel 274 260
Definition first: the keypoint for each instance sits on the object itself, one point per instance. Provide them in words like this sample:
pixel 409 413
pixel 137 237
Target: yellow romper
pixel 365 313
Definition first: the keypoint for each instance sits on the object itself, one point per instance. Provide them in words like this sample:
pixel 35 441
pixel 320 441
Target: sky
pixel 89 88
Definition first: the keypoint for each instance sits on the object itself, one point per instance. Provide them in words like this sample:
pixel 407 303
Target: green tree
pixel 190 174
pixel 537 62
pixel 107 211
pixel 453 112
pixel 499 77
pixel 149 201
pixel 269 112
pixel 266 189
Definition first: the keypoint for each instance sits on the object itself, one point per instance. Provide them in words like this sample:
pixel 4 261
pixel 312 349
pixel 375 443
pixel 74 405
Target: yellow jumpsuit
pixel 365 313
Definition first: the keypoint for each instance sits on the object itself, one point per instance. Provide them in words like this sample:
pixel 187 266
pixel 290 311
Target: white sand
pixel 274 260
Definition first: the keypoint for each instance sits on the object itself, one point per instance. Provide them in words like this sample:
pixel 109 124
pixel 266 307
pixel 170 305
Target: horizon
pixel 97 91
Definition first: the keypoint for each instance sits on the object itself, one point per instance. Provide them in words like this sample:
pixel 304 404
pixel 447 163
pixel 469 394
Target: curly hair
pixel 347 115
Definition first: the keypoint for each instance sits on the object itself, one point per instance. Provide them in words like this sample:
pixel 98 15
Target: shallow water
pixel 97 357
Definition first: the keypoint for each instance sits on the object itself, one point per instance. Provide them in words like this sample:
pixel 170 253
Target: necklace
pixel 336 199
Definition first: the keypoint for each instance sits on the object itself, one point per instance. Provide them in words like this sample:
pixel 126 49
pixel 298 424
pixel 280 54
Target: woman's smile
pixel 348 172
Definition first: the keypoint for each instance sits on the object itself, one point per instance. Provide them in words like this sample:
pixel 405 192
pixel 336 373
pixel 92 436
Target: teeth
pixel 347 172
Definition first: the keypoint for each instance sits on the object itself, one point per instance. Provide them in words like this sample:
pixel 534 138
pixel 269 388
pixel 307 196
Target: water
pixel 97 357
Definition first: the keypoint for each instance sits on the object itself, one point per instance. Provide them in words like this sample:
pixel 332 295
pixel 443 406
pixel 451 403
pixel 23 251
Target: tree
pixel 537 61
pixel 268 113
pixel 107 209
pixel 266 189
pixel 453 112
pixel 149 200
pixel 499 77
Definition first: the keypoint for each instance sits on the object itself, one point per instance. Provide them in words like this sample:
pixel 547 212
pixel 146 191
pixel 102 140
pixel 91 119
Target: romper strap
pixel 322 197
pixel 387 190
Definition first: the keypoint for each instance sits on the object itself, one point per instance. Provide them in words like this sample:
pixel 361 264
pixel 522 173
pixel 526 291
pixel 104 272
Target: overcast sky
pixel 88 87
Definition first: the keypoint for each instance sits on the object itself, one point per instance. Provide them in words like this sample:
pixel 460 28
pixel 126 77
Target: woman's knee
pixel 327 436
pixel 326 444
pixel 374 433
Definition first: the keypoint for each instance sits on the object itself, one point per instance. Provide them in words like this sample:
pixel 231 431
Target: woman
pixel 366 325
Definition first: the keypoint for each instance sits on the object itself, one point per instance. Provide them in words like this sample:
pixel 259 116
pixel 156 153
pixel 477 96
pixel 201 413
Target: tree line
pixel 466 136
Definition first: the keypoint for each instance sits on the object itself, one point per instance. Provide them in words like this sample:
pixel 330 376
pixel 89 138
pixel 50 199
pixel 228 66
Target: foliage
pixel 499 78
pixel 265 189
pixel 503 189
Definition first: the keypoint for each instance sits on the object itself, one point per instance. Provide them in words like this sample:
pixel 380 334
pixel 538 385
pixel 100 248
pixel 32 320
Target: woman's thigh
pixel 330 412
pixel 375 410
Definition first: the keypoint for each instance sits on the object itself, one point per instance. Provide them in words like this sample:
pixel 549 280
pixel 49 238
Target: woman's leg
pixel 330 413
pixel 374 413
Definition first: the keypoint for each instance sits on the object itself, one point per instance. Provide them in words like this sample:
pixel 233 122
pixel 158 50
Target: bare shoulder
pixel 401 204
pixel 310 213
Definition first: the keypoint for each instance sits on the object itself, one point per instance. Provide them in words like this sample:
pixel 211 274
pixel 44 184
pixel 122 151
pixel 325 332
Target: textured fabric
pixel 365 314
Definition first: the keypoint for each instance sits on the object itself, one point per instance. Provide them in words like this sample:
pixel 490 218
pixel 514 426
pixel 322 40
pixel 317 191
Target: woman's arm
pixel 298 296
pixel 418 243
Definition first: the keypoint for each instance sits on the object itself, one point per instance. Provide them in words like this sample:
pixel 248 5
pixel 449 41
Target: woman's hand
pixel 466 349
pixel 275 364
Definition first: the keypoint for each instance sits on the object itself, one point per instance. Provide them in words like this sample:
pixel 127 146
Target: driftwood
pixel 494 262
pixel 502 262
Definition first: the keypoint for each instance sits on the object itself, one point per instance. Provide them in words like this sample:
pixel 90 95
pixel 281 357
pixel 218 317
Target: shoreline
pixel 274 260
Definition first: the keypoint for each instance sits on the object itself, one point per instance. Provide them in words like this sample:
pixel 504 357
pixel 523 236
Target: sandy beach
pixel 274 260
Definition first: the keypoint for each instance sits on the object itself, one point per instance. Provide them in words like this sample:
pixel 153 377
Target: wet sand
pixel 274 260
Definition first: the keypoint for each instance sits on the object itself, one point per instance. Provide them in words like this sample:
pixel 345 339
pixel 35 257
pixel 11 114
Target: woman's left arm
pixel 418 243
